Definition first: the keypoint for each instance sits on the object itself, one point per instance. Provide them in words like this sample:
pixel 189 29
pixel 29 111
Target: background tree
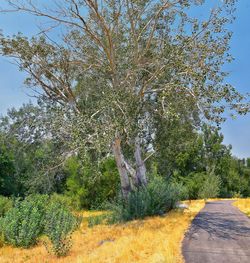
pixel 26 135
pixel 7 171
pixel 32 161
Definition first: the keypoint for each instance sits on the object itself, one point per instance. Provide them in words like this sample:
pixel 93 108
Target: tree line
pixel 32 164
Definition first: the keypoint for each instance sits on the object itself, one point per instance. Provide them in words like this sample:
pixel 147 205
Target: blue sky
pixel 236 132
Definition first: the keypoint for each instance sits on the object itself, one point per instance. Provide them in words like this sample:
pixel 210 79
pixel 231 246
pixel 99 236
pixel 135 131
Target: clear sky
pixel 236 132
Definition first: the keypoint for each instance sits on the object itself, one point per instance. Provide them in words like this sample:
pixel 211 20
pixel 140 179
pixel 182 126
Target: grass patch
pixel 243 205
pixel 155 239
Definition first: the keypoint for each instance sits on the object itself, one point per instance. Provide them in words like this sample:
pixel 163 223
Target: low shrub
pixel 5 205
pixel 23 224
pixel 237 195
pixel 59 225
pixel 39 215
pixel 194 182
pixel 157 198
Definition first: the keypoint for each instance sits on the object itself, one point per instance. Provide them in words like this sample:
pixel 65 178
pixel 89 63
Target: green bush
pixel 37 215
pixel 59 225
pixel 90 184
pixel 236 195
pixel 210 188
pixel 23 224
pixel 5 205
pixel 63 200
pixel 194 182
pixel 38 200
pixel 157 198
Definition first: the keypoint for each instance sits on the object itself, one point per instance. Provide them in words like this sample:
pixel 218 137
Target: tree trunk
pixel 121 165
pixel 132 173
pixel 140 164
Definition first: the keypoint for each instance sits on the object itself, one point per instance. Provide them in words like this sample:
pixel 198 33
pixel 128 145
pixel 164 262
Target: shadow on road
pixel 219 225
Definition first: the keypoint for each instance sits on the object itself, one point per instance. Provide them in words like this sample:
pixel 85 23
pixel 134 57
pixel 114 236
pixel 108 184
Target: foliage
pixel 176 143
pixel 5 205
pixel 201 154
pixel 181 153
pixel 88 186
pixel 7 170
pixel 23 224
pixel 194 182
pixel 248 162
pixel 34 158
pixel 64 200
pixel 157 198
pixel 210 188
pixel 38 215
pixel 59 225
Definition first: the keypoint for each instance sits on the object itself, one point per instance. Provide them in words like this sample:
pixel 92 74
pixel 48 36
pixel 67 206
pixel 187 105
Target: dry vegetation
pixel 243 205
pixel 156 239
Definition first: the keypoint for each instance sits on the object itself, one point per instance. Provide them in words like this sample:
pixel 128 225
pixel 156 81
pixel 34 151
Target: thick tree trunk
pixel 132 174
pixel 140 164
pixel 121 165
pixel 130 178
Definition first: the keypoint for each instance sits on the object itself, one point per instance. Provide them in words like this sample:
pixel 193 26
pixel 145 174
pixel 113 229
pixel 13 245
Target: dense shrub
pixel 63 200
pixel 38 215
pixel 210 188
pixel 157 198
pixel 5 205
pixel 194 182
pixel 23 224
pixel 38 200
pixel 59 225
pixel 90 184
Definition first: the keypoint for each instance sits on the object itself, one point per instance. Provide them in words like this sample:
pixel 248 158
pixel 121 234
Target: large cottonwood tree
pixel 120 66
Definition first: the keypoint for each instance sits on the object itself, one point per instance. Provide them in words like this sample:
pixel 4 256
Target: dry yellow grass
pixel 153 240
pixel 243 205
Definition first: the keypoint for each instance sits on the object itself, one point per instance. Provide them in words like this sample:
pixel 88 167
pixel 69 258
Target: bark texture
pixel 130 178
pixel 140 165
pixel 121 165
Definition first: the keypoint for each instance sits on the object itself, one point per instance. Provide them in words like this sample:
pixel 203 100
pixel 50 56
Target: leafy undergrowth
pixel 155 239
pixel 243 205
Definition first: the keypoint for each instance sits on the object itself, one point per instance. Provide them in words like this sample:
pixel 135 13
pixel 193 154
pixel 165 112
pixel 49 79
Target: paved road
pixel 219 233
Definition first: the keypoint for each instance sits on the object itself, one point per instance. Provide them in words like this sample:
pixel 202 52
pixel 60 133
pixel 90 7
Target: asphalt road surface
pixel 219 233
